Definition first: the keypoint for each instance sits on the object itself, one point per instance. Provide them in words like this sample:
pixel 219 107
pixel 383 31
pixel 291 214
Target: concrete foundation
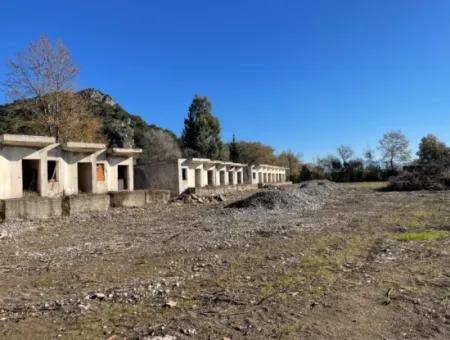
pixel 85 203
pixel 222 190
pixel 31 208
pixel 281 184
pixel 157 196
pixel 128 198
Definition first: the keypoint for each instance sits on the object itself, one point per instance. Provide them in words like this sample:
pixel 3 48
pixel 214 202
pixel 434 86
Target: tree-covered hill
pixel 119 127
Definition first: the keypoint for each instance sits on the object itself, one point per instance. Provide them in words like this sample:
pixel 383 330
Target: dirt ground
pixel 365 265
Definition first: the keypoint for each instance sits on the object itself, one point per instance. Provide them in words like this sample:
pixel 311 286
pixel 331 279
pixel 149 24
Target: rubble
pixel 308 195
pixel 194 198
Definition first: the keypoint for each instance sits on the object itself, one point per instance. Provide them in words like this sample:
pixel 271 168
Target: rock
pixel 3 234
pixel 190 331
pixel 220 198
pixel 99 296
pixel 170 304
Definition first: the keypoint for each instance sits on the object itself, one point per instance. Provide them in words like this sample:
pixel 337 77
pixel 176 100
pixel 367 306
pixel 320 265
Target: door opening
pixel 198 178
pixel 210 177
pixel 84 172
pixel 30 176
pixel 122 177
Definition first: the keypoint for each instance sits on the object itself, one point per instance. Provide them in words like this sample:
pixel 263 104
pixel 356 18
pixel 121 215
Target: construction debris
pixel 307 195
pixel 194 198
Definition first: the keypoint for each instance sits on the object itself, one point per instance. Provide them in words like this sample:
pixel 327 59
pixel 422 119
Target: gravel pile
pixel 307 195
pixel 270 199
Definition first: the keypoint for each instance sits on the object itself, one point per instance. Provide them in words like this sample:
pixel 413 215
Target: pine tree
pixel 201 133
pixel 234 151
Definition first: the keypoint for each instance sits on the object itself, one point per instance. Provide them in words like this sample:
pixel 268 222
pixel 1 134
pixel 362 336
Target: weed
pixel 421 235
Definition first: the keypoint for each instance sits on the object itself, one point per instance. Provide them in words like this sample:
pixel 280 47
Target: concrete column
pixel 42 176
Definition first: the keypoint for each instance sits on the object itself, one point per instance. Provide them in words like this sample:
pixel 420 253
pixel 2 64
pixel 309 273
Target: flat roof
pixel 124 152
pixel 270 166
pixel 27 140
pixel 83 147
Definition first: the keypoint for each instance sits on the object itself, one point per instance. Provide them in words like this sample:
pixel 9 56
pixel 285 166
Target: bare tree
pixel 369 155
pixel 394 148
pixel 345 152
pixel 292 161
pixel 45 76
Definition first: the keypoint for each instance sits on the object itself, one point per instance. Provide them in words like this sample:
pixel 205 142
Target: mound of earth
pixel 270 199
pixel 307 195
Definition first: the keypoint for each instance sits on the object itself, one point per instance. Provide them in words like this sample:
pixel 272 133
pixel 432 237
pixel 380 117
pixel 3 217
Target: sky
pixel 300 75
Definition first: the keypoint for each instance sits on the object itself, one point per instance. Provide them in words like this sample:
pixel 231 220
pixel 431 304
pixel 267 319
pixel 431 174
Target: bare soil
pixel 338 270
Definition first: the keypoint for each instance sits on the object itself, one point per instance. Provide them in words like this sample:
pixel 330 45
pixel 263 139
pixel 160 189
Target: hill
pixel 121 128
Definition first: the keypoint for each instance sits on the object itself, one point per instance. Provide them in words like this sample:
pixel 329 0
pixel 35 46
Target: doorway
pixel 122 177
pixel 222 177
pixel 230 178
pixel 84 172
pixel 210 177
pixel 30 176
pixel 198 178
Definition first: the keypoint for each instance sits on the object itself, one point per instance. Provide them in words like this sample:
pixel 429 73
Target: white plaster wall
pixel 112 166
pixel 11 171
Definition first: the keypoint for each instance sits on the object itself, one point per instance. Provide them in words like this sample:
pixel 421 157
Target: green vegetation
pixel 201 134
pixel 421 235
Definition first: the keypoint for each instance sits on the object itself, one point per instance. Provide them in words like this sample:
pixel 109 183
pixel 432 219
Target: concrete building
pixel 266 173
pixel 179 175
pixel 40 165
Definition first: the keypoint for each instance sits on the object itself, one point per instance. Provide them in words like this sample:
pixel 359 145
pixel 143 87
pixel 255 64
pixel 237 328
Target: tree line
pixel 41 81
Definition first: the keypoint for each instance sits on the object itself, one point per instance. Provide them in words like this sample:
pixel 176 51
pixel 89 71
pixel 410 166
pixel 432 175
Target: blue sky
pixel 305 75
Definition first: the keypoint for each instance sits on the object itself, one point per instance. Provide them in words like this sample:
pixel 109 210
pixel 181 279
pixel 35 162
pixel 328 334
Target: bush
pixel 433 176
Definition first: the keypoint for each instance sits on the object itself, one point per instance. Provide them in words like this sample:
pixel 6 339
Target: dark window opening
pixel 52 171
pixel 184 174
pixel 254 175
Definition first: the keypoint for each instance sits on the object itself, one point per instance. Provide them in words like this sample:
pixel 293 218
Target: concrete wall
pixel 31 208
pixel 221 190
pixel 157 196
pixel 78 204
pixel 128 198
pixel 161 175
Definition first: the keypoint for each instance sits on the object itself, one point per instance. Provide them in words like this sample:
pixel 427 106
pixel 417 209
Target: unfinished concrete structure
pixel 180 175
pixel 266 173
pixel 40 165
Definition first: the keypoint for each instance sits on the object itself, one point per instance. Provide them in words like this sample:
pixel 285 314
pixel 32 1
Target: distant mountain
pixel 120 128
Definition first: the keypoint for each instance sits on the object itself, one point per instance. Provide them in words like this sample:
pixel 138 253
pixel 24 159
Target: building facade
pixel 39 165
pixel 265 173
pixel 179 175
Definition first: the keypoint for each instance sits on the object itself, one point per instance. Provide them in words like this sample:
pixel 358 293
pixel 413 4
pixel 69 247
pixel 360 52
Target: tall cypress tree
pixel 201 133
pixel 234 151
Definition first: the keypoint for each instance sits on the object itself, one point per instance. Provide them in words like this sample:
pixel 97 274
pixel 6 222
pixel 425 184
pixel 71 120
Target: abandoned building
pixel 183 174
pixel 39 165
pixel 265 173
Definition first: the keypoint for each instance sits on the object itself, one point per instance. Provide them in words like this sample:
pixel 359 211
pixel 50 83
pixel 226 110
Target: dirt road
pixel 363 265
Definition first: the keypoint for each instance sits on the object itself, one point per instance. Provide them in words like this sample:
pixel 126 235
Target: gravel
pixel 307 195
